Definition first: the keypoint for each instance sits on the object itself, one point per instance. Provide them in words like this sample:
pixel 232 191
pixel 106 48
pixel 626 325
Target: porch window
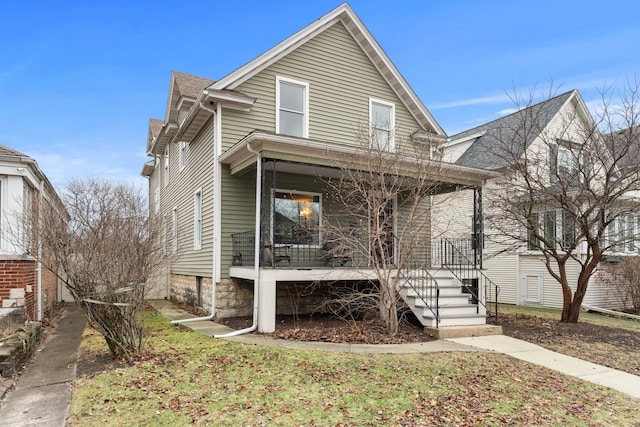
pixel 296 218
pixel 382 120
pixel 292 107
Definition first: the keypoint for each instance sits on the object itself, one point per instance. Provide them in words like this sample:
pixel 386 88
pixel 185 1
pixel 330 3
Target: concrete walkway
pixel 42 394
pixel 587 371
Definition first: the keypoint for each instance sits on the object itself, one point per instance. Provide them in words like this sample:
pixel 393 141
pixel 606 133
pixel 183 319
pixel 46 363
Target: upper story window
pixel 292 107
pixel 183 154
pixel 382 121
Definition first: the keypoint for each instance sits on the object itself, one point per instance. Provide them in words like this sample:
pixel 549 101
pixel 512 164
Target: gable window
pixel 296 217
pixel 292 107
pixel 382 121
pixel 197 220
pixel 183 154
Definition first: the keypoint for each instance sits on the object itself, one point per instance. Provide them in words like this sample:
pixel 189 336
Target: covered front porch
pixel 300 234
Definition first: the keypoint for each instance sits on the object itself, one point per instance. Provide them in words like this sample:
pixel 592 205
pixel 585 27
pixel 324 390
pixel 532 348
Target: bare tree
pixel 569 184
pixel 104 254
pixel 623 280
pixel 382 195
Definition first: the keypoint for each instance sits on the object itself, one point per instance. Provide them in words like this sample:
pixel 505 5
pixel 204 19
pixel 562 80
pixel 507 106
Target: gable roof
pixel 10 152
pixel 481 153
pixel 183 87
pixel 367 42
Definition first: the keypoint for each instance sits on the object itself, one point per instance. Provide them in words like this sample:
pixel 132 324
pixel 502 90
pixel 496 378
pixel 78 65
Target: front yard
pixel 187 378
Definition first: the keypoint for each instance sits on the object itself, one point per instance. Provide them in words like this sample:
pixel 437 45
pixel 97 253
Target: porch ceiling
pixel 311 157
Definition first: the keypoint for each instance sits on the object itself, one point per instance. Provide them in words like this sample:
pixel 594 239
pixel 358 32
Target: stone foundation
pixel 234 297
pixel 298 298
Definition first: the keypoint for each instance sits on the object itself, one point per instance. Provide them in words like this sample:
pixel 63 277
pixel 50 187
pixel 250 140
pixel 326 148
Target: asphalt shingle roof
pixel 508 130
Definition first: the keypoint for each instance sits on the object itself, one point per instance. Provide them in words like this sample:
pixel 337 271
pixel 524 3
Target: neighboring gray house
pixel 519 270
pixel 243 156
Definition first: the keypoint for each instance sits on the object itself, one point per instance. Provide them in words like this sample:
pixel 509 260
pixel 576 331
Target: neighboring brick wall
pixel 19 276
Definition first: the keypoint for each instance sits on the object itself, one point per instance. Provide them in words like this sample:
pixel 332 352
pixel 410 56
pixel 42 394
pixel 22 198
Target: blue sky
pixel 80 79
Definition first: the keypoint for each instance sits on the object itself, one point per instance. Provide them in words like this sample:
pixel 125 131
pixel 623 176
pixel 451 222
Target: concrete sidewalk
pixel 42 394
pixel 587 371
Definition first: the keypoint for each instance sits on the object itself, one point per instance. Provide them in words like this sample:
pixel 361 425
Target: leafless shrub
pixel 104 253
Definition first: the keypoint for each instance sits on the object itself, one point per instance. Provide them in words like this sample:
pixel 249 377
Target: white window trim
pixel 305 122
pixel 392 142
pixel 306 193
pixel 197 217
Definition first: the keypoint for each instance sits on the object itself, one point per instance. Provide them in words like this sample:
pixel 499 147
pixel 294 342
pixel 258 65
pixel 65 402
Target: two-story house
pixel 546 134
pixel 240 168
pixel 24 283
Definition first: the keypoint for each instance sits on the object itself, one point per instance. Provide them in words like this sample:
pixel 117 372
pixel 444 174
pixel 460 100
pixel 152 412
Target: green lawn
pixel 186 378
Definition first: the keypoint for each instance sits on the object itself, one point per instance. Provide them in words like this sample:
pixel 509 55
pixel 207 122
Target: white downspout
pixel 256 249
pixel 216 220
pixel 39 261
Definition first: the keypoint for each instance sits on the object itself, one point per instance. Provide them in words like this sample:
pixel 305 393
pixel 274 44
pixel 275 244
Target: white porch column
pixel 267 305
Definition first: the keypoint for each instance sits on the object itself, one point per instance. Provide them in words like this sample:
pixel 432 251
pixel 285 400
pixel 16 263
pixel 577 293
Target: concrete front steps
pixel 455 307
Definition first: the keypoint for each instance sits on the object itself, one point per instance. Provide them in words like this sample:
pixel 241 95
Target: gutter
pixel 256 249
pixel 39 262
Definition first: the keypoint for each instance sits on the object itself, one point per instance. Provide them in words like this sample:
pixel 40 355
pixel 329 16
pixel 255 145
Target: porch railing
pixel 458 257
pixel 331 253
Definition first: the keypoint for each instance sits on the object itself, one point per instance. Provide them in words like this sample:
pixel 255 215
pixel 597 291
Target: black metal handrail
pixel 418 278
pixel 454 256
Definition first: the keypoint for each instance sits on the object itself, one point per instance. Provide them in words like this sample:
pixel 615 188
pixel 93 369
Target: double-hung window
pixel 292 107
pixel 197 220
pixel 382 122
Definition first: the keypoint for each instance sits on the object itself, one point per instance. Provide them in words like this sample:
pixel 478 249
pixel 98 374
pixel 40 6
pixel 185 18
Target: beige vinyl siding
pixel 183 184
pixel 341 80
